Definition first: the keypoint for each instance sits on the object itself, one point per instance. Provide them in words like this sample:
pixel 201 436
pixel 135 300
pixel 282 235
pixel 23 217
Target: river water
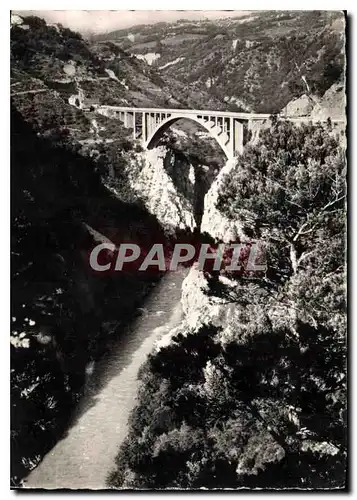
pixel 85 455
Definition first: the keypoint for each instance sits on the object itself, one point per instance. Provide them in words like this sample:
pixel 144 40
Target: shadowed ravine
pixel 85 456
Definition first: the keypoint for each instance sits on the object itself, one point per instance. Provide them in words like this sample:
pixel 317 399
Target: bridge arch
pixel 161 128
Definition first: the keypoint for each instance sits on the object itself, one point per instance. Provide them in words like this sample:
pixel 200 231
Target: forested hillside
pixel 66 63
pixel 258 62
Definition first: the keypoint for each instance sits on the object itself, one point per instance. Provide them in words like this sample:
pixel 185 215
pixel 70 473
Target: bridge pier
pixel 143 126
pixel 237 137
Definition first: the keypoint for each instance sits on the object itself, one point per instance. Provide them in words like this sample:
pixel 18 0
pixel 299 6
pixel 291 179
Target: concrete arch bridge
pixel 227 128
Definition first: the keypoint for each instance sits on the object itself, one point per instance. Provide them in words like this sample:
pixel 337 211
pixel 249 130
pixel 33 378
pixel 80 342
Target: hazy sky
pixel 103 20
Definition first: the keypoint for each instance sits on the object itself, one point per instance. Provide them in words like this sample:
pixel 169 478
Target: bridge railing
pixel 228 114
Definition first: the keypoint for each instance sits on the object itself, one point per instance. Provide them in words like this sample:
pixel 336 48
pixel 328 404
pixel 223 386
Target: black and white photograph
pixel 178 196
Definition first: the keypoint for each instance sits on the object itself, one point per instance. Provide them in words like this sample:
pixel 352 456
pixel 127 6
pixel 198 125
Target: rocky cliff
pixel 213 221
pixel 169 197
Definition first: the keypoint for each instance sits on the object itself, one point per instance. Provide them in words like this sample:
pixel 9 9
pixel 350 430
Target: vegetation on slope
pixel 259 62
pixel 64 316
pixel 64 61
pixel 262 402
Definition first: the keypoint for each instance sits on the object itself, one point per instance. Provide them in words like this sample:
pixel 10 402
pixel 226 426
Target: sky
pixel 100 21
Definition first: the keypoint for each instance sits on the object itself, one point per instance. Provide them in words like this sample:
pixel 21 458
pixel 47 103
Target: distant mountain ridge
pixel 258 62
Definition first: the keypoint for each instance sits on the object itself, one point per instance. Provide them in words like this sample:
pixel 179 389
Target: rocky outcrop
pixel 165 185
pixel 16 20
pixel 332 104
pixel 254 128
pixel 213 221
pixel 77 99
pixel 198 307
pixel 302 106
pixel 202 305
pixel 150 57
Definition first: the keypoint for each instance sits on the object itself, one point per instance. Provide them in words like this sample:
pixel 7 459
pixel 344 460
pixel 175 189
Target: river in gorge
pixel 83 458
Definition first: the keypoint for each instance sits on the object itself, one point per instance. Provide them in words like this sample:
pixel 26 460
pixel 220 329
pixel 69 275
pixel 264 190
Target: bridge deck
pixel 228 114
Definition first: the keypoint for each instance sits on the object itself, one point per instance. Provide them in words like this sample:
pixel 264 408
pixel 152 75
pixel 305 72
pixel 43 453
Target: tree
pixel 288 190
pixel 265 392
pixel 252 412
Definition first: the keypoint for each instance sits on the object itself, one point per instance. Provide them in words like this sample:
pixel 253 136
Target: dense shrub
pixel 260 402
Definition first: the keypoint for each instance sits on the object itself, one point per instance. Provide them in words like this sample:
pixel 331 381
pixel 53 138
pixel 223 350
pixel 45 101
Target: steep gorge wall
pixel 64 316
pixel 214 222
pixel 164 183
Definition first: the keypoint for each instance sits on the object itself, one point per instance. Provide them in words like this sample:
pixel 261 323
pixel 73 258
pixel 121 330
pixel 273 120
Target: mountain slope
pixel 259 62
pixel 103 72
